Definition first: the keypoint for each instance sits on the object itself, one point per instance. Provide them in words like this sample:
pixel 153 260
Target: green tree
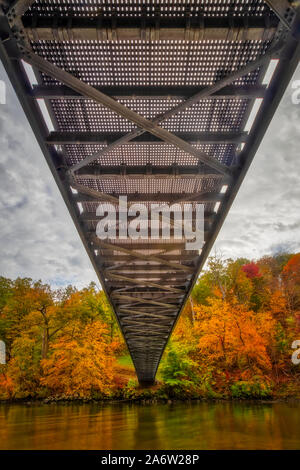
pixel 178 370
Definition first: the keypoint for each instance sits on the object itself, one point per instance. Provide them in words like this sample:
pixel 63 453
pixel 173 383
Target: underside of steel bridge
pixel 150 100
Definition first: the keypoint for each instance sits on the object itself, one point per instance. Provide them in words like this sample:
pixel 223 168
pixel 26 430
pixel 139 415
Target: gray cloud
pixel 38 238
pixel 265 217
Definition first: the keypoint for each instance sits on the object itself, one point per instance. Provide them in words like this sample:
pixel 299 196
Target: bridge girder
pixel 149 283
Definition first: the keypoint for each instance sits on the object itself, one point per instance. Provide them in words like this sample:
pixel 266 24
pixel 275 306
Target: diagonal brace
pixel 204 93
pixel 142 301
pixel 99 97
pixel 112 246
pixel 137 281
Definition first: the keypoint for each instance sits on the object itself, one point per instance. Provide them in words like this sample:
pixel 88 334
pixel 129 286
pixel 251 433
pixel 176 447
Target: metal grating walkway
pixel 150 100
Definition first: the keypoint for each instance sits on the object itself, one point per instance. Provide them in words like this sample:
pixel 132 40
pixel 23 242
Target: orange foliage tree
pixel 81 362
pixel 229 336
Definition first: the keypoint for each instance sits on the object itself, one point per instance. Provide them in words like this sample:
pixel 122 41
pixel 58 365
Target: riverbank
pixel 272 389
pixel 146 400
pixel 130 426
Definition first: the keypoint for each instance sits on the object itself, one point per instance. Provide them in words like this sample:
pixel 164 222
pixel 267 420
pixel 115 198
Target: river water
pixel 160 426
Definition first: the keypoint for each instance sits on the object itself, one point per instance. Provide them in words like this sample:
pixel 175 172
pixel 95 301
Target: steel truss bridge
pixel 149 99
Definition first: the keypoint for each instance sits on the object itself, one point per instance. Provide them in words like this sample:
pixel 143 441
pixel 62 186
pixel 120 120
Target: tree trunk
pixel 192 311
pixel 45 343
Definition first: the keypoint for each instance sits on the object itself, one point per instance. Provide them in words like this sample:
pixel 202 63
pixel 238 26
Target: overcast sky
pixel 38 238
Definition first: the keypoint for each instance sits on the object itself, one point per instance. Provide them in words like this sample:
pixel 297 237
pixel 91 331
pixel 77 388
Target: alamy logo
pixel 158 221
pixel 2 352
pixel 296 93
pixel 2 92
pixel 296 354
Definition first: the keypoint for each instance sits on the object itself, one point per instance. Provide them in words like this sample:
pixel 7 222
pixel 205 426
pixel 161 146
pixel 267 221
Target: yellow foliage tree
pixel 81 363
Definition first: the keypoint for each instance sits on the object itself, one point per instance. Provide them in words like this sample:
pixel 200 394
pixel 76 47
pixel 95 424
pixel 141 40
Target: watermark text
pixel 296 354
pixel 2 352
pixel 2 92
pixel 156 221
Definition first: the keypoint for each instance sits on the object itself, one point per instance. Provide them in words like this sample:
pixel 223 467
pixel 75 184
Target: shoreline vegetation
pixel 143 401
pixel 233 341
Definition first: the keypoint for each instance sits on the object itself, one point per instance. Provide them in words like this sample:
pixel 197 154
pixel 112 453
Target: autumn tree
pixel 229 337
pixel 16 303
pixel 81 363
pixel 291 282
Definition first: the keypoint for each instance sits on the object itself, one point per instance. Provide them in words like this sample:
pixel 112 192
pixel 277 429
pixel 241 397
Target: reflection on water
pixel 129 426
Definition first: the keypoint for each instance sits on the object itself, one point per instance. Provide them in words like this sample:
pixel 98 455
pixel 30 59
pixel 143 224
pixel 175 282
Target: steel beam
pixel 107 259
pixel 122 284
pixel 152 197
pixel 60 92
pixel 92 217
pixel 14 16
pixel 101 138
pixel 146 171
pixel 171 245
pixel 139 255
pixel 146 267
pixel 139 282
pixel 67 29
pixel 283 10
pixel 135 312
pixel 18 8
pixel 140 300
pixel 99 97
pixel 209 90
